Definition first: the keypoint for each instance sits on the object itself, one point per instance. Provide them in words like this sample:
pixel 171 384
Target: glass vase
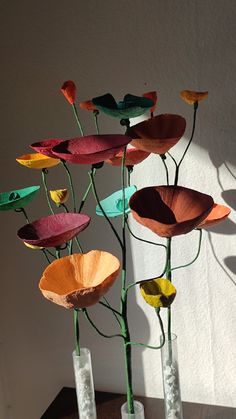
pixel 138 411
pixel 170 374
pixel 84 384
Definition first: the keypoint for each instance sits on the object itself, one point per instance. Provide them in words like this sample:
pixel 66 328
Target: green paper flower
pixel 130 107
pixel 18 198
pixel 113 204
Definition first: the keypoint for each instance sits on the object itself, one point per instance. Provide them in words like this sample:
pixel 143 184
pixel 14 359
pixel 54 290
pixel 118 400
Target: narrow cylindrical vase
pixel 170 374
pixel 138 411
pixel 84 384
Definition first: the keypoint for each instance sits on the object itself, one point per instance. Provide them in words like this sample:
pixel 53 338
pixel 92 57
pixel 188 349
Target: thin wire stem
pixel 95 115
pixel 168 276
pixel 85 311
pixel 78 244
pixel 44 173
pixel 71 183
pixel 77 119
pixel 143 240
pixel 166 168
pixel 151 346
pixel 114 312
pixel 110 308
pixel 23 212
pixel 86 193
pixel 46 256
pixel 198 252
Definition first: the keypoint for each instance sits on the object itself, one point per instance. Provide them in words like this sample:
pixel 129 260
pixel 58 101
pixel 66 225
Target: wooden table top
pixel 109 404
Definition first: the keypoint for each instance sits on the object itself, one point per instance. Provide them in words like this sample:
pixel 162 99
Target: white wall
pixel 125 46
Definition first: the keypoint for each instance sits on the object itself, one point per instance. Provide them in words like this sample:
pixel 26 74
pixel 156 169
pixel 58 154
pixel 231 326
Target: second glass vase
pixel 138 411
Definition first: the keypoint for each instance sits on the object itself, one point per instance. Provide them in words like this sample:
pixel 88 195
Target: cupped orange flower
pixel 191 97
pixel 170 210
pixel 133 156
pixel 79 280
pixel 153 97
pixel 158 134
pixel 88 106
pixel 69 91
pixel 218 213
pixel 37 161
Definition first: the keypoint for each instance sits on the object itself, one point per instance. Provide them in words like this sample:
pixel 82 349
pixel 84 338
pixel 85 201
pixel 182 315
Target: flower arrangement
pixel 78 280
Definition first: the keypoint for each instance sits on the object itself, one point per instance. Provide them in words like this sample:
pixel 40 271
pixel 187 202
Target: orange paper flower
pixel 153 97
pixel 88 105
pixel 79 280
pixel 217 214
pixel 192 97
pixel 69 91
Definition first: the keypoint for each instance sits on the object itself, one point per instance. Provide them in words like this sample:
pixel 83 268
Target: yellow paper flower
pixel 37 161
pixel 59 196
pixel 158 292
pixel 192 97
pixel 33 247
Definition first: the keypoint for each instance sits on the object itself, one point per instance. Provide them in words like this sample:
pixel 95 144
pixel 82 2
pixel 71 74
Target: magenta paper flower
pixel 53 230
pixel 45 146
pixel 91 149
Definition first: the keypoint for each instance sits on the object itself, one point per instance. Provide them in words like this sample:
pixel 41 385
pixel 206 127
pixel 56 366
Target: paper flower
pixel 30 246
pixel 192 97
pixel 130 107
pixel 170 210
pixel 59 196
pixel 158 292
pixel 53 230
pixel 18 198
pixel 113 204
pixel 69 91
pixel 153 97
pixel 45 147
pixel 217 214
pixel 158 134
pixel 88 105
pixel 132 156
pixel 91 149
pixel 79 280
pixel 37 161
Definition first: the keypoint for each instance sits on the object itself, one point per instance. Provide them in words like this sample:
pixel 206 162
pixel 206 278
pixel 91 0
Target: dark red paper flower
pixel 69 91
pixel 91 149
pixel 133 156
pixel 170 210
pixel 53 230
pixel 153 97
pixel 158 134
pixel 45 146
pixel 88 106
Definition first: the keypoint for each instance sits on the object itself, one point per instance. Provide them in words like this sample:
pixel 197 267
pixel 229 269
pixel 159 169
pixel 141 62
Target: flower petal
pixel 45 146
pixel 59 196
pixel 88 105
pixel 218 214
pixel 133 156
pixel 18 198
pixel 113 204
pixel 153 97
pixel 69 91
pixel 158 292
pixel 191 97
pixel 37 161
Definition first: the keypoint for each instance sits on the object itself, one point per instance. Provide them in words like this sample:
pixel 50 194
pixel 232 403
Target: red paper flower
pixel 45 146
pixel 170 210
pixel 133 156
pixel 88 105
pixel 69 91
pixel 153 97
pixel 217 214
pixel 53 230
pixel 91 149
pixel 158 134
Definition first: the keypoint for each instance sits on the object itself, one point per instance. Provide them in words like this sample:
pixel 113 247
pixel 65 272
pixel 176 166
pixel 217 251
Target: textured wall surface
pixel 126 46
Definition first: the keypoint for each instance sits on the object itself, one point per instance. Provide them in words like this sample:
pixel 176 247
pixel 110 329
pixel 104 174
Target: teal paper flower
pixel 130 107
pixel 113 204
pixel 17 199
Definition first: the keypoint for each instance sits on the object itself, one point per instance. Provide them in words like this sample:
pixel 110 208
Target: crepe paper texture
pixel 88 106
pixel 132 156
pixel 37 161
pixel 170 210
pixel 59 196
pixel 153 97
pixel 191 97
pixel 69 91
pixel 158 134
pixel 130 107
pixel 113 204
pixel 91 149
pixel 158 292
pixel 217 214
pixel 79 280
pixel 45 146
pixel 18 198
pixel 53 230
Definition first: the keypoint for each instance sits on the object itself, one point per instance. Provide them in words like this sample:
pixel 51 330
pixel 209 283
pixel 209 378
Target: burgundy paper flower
pixel 158 134
pixel 53 230
pixel 45 146
pixel 133 156
pixel 170 210
pixel 91 149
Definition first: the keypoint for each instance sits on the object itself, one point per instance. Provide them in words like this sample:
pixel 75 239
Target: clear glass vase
pixel 170 374
pixel 138 411
pixel 84 384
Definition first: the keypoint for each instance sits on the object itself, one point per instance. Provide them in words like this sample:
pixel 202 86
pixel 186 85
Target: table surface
pixel 109 404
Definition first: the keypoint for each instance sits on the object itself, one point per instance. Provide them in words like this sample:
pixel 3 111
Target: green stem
pixel 142 240
pixel 198 252
pixel 77 333
pixel 95 115
pixel 110 308
pixel 77 119
pixel 163 158
pixel 168 276
pixel 96 328
pixel 44 173
pixel 188 145
pixel 24 212
pixel 162 332
pixel 71 183
pixel 86 193
pixel 46 256
pixel 78 244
